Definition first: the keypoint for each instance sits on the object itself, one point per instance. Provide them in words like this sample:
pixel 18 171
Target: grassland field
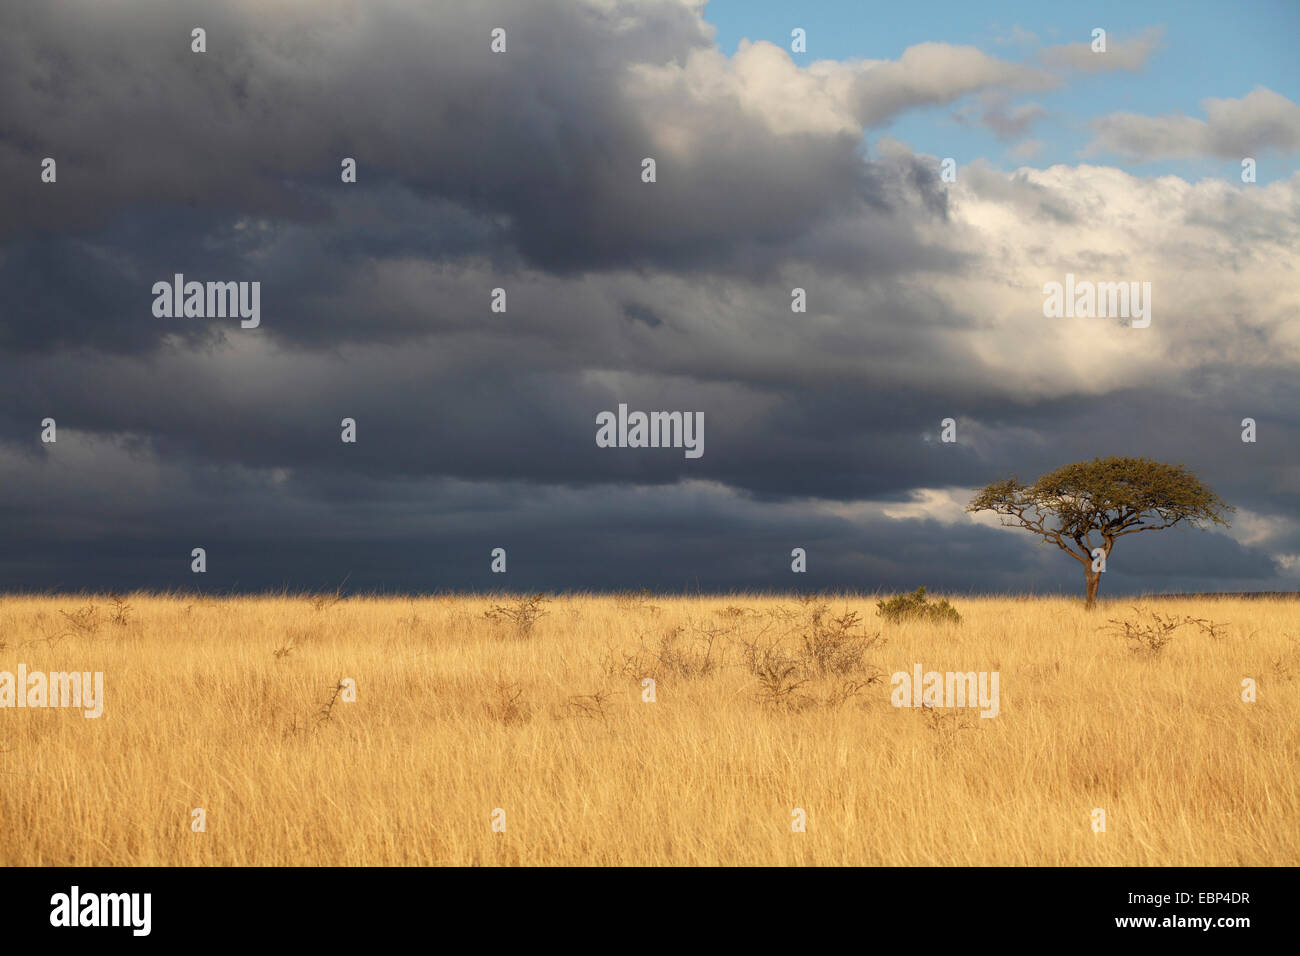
pixel 471 711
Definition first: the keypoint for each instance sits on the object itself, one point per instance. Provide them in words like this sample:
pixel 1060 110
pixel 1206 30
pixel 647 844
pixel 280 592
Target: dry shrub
pixel 508 705
pixel 120 609
pixel 1286 666
pixel 1151 636
pixel 947 725
pixel 520 617
pixel 635 601
pixel 826 647
pixel 681 652
pixel 779 680
pixel 83 621
pixel 692 657
pixel 593 706
pixel 833 645
pixel 321 602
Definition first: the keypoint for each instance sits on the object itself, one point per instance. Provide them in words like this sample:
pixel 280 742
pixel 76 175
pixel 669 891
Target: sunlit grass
pixel 762 705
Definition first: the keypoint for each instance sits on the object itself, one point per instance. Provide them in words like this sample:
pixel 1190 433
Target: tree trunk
pixel 1093 579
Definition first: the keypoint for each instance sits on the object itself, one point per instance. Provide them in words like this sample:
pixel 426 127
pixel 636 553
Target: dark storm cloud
pixel 640 313
pixel 390 534
pixel 544 135
pixel 163 154
pixel 286 89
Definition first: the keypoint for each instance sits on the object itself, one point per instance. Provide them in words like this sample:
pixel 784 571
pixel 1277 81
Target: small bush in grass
pixel 916 607
pixel 831 645
pixel 523 616
pixel 509 707
pixel 83 621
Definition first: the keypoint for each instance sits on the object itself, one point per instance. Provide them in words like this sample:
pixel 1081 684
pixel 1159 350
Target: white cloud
pixel 1127 54
pixel 947 506
pixel 827 97
pixel 1234 129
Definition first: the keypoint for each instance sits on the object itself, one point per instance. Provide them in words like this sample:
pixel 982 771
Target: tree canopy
pixel 1106 498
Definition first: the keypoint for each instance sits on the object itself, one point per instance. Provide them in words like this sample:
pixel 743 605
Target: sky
pixel 523 170
pixel 1197 51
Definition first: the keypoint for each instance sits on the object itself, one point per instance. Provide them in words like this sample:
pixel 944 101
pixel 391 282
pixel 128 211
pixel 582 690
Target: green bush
pixel 915 607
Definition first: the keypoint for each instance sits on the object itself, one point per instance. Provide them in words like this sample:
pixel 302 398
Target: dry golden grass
pixel 458 714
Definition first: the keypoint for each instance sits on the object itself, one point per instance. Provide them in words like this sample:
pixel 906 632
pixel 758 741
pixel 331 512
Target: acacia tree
pixel 1106 498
